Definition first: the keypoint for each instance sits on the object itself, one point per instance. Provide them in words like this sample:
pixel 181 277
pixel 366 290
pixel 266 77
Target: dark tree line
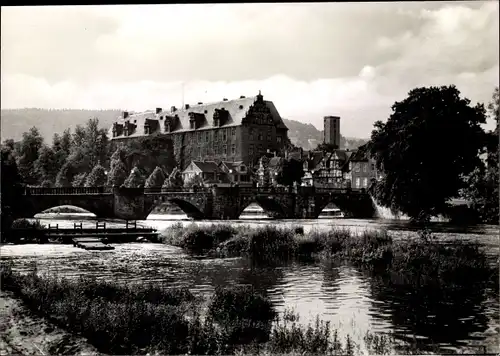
pixel 86 157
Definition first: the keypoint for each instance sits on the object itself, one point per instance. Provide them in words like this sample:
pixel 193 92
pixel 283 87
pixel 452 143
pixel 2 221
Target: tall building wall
pixel 332 130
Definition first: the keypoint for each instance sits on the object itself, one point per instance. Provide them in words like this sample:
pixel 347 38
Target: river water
pixel 352 301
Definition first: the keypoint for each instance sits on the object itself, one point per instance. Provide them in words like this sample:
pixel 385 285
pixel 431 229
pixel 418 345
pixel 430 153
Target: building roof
pixel 207 166
pixel 237 110
pixel 231 165
pixel 315 158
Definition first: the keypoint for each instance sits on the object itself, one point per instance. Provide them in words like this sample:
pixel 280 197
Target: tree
pixel 150 152
pixel 97 177
pixel 46 165
pixel 326 147
pixel 65 176
pixel 61 145
pixel 118 172
pixel 135 179
pixel 195 181
pixel 79 180
pixel 290 172
pixel 156 179
pixel 11 196
pixel 482 187
pixel 174 180
pixel 27 154
pixel 429 143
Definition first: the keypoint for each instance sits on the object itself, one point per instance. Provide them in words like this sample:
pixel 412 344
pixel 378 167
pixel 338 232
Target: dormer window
pixel 147 128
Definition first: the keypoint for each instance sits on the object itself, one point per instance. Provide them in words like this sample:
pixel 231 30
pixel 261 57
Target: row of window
pixel 217 150
pixel 252 150
pixel 221 134
pixel 259 134
pixel 358 165
pixel 357 183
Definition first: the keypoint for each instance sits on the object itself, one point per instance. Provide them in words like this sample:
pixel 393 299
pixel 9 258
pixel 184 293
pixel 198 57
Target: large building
pixel 332 130
pixel 240 130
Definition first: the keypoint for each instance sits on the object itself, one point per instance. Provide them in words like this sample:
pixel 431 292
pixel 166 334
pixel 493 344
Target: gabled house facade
pixel 236 172
pixel 209 171
pixel 327 169
pixel 363 170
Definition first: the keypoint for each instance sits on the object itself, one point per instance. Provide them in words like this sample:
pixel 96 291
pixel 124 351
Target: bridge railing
pixel 67 190
pixel 248 190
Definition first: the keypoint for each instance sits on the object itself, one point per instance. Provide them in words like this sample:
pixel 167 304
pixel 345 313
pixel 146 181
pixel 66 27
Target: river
pixel 352 301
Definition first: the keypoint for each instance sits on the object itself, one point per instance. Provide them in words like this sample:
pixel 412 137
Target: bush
pixel 270 243
pixel 198 239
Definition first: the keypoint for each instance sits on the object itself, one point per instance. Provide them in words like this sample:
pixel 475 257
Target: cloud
pixel 352 59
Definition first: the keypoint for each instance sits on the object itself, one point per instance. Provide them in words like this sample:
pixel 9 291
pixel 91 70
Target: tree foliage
pixel 149 152
pixel 431 140
pixel 174 180
pixel 97 177
pixel 118 172
pixel 327 147
pixel 482 185
pixel 27 154
pixel 65 176
pixel 11 202
pixel 135 179
pixel 290 171
pixel 79 180
pixel 195 181
pixel 46 165
pixel 155 179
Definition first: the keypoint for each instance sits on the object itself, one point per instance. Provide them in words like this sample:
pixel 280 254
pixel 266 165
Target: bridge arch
pixel 65 209
pixel 100 206
pixel 191 207
pixel 351 205
pixel 270 206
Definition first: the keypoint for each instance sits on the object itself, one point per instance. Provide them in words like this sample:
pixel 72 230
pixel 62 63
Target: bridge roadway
pixel 216 203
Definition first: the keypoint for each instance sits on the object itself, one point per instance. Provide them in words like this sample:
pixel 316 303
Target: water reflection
pixel 445 316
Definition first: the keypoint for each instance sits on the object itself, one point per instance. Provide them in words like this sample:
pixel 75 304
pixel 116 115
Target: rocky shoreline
pixel 23 333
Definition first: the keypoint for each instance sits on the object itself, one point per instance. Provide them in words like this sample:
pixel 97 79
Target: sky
pixel 353 60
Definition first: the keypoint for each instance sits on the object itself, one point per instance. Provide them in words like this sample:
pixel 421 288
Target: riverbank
pixel 140 319
pixel 24 333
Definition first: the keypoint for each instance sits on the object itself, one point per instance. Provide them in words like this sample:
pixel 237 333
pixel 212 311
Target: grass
pixel 144 319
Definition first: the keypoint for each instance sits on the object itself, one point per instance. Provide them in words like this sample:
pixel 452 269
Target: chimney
pixel 224 99
pixel 173 109
pixel 186 106
pixel 125 114
pixel 158 110
pixel 199 102
pixel 242 97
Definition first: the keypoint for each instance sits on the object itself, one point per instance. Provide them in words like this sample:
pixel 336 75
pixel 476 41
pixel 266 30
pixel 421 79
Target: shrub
pixel 270 243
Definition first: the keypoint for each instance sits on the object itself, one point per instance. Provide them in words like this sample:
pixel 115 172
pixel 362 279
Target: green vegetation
pixel 97 177
pixel 156 179
pixel 483 183
pixel 419 178
pixel 140 319
pixel 413 260
pixel 135 179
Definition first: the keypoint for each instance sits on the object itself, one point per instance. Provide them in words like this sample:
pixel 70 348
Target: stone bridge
pixel 216 203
